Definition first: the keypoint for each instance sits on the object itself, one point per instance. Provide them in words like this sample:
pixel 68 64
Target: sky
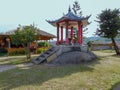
pixel 26 12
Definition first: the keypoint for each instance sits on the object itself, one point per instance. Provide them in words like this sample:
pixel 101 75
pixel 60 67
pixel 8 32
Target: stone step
pixel 47 52
pixel 43 57
pixel 39 60
pixel 51 49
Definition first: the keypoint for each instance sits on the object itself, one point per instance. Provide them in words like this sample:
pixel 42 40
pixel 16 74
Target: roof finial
pixel 69 10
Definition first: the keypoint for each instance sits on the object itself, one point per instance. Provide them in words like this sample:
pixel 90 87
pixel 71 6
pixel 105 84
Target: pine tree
pixel 109 25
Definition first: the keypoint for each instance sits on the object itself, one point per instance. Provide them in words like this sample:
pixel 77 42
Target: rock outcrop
pixel 60 55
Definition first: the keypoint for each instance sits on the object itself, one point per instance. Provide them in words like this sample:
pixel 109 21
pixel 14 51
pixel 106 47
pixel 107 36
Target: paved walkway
pixel 6 57
pixel 8 67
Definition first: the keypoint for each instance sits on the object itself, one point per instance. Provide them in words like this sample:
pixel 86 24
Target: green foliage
pixel 43 44
pixel 76 8
pixel 17 52
pixel 24 35
pixel 75 34
pixel 3 51
pixel 41 50
pixel 109 23
pixel 89 43
pixel 118 36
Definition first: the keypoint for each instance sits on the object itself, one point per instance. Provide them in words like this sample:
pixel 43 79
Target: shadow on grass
pixel 109 55
pixel 114 55
pixel 116 86
pixel 37 74
pixel 6 59
pixel 14 60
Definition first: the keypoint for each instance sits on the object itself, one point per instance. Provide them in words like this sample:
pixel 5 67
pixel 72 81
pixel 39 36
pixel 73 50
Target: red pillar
pixel 67 41
pixel 61 34
pixel 57 34
pixel 79 33
pixel 72 34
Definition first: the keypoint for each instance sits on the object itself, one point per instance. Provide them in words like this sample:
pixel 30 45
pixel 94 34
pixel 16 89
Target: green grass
pixel 101 74
pixel 14 60
pixel 107 51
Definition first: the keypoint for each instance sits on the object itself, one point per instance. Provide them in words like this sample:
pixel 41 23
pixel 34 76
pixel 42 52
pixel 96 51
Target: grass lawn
pixel 14 59
pixel 101 74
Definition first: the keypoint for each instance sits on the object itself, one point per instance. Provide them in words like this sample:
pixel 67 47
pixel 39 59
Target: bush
pixel 3 51
pixel 43 44
pixel 16 51
pixel 41 50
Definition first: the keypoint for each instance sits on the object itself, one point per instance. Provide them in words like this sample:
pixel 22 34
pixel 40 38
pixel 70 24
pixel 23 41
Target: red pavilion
pixel 70 21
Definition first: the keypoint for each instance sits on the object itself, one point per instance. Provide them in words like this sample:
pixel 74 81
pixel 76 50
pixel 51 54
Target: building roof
pixel 39 32
pixel 71 17
pixel 43 33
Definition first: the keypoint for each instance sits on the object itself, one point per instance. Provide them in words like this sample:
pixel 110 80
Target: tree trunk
pixel 28 54
pixel 115 46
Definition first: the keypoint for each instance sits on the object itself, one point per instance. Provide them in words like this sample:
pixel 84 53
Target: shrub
pixel 3 51
pixel 16 51
pixel 43 44
pixel 41 50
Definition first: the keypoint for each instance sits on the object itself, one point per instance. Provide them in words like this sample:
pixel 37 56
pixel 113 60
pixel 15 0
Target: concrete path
pixel 8 67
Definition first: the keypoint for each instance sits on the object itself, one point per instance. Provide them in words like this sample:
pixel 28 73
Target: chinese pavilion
pixel 70 21
pixel 67 54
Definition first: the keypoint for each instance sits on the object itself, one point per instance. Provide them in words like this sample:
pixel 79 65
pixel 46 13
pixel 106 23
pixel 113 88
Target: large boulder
pixel 60 55
pixel 74 57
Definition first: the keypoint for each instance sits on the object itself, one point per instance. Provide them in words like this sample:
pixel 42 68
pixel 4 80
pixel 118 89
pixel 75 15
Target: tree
pixel 109 25
pixel 89 43
pixel 118 36
pixel 25 35
pixel 76 8
pixel 77 11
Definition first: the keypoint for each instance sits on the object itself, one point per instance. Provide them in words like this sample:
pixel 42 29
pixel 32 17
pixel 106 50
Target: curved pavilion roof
pixel 72 18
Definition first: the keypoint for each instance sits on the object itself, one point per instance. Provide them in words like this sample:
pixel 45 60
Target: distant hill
pixel 94 39
pixel 99 40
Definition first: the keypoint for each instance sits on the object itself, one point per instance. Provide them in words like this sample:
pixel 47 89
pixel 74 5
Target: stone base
pixel 72 55
pixel 63 54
